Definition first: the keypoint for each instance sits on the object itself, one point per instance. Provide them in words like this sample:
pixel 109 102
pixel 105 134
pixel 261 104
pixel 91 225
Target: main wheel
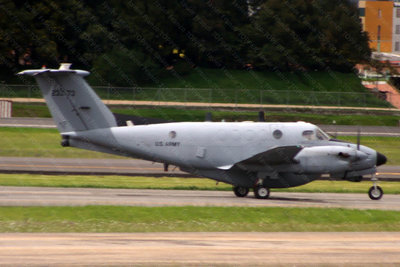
pixel 375 193
pixel 261 192
pixel 240 191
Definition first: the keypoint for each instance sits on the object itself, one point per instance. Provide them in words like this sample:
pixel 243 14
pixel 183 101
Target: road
pixel 49 196
pixel 200 249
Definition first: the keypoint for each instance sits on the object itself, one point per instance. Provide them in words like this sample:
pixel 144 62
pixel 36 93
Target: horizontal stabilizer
pixel 73 104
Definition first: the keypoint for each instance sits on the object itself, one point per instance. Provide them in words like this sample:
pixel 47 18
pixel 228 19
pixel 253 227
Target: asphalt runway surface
pixel 132 167
pixel 50 196
pixel 201 249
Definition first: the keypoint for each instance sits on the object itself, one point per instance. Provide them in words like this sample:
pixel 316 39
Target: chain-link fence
pixel 235 96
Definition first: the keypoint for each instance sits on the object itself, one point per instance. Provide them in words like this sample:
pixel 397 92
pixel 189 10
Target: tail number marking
pixel 57 92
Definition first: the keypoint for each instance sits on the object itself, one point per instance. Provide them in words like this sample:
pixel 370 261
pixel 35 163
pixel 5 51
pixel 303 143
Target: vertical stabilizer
pixel 72 102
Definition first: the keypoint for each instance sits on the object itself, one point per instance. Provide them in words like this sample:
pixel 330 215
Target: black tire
pixel 261 192
pixel 240 191
pixel 375 194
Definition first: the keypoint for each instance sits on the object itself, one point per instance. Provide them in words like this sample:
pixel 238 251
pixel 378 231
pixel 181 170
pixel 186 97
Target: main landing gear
pixel 260 192
pixel 240 191
pixel 375 192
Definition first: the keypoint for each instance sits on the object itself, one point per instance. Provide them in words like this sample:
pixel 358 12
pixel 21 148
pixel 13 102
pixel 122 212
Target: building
pixel 381 19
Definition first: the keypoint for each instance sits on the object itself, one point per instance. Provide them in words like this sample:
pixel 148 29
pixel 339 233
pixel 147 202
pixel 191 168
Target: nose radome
pixel 380 159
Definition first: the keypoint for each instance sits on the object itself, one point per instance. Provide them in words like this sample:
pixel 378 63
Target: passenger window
pixel 277 134
pixel 309 135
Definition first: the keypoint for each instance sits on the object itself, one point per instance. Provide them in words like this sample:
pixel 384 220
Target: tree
pixel 306 34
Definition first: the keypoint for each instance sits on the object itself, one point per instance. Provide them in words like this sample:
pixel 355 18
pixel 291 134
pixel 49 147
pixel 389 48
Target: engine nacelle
pixel 327 159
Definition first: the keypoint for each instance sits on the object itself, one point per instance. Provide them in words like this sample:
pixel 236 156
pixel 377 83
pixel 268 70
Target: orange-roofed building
pixel 381 19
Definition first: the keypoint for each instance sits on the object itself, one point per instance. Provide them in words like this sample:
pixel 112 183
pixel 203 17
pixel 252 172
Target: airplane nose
pixel 380 159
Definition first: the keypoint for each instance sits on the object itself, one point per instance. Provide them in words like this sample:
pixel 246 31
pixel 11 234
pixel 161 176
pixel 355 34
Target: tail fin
pixel 72 102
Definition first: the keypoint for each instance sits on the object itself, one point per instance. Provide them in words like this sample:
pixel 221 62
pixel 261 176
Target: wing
pixel 275 156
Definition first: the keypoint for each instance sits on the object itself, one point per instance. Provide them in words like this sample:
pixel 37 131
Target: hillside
pixel 238 86
pixel 256 87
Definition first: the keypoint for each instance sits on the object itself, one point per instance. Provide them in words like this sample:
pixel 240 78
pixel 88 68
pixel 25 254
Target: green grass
pixel 185 114
pixel 104 219
pixel 31 142
pixel 30 110
pixel 139 182
pixel 239 86
pixel 34 142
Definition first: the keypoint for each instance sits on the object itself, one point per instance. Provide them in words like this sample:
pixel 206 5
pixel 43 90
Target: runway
pixel 50 196
pixel 200 249
pixel 132 167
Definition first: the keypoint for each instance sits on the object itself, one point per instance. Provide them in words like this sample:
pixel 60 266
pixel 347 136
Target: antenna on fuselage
pixel 358 138
pixel 261 116
pixel 208 116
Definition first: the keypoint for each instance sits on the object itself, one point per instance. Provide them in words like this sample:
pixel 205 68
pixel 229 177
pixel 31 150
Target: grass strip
pixel 173 183
pixel 105 219
pixel 35 142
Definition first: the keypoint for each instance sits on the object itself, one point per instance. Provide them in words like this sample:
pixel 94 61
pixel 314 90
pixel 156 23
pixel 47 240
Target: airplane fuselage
pixel 211 149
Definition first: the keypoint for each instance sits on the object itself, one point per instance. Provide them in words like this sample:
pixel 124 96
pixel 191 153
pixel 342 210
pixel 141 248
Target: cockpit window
pixel 311 135
pixel 321 135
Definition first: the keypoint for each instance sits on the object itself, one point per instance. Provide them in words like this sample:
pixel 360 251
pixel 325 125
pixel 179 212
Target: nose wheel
pixel 375 192
pixel 261 192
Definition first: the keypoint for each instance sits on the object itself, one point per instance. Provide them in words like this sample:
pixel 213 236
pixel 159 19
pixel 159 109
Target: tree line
pixel 128 42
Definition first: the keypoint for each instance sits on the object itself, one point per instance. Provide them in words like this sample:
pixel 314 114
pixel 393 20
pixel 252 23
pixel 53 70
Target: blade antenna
pixel 358 138
pixel 208 116
pixel 261 116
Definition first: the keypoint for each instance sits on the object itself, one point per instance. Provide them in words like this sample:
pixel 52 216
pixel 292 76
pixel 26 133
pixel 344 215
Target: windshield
pixel 317 134
pixel 321 135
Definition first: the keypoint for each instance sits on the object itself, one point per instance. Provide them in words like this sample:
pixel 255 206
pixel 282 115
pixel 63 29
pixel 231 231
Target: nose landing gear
pixel 375 192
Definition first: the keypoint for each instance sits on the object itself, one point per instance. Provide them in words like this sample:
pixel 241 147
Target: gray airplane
pixel 258 155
